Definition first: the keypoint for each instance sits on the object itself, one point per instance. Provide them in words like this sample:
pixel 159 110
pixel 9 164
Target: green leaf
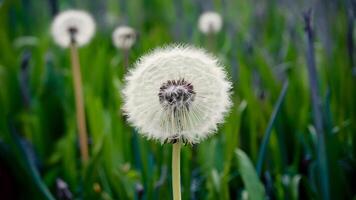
pixel 22 157
pixel 295 186
pixel 249 176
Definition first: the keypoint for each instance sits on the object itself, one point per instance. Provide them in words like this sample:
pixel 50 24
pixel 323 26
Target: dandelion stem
pixel 80 112
pixel 176 171
pixel 126 53
pixel 211 42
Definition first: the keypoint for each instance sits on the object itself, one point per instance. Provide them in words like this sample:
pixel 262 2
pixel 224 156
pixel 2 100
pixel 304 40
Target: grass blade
pixel 268 131
pixel 317 113
pixel 249 176
pixel 30 165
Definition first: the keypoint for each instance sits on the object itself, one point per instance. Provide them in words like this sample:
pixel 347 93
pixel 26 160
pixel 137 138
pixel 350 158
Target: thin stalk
pixel 176 171
pixel 126 53
pixel 79 103
pixel 211 41
pixel 318 121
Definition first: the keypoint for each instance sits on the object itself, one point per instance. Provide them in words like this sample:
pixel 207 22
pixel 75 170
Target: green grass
pixel 262 45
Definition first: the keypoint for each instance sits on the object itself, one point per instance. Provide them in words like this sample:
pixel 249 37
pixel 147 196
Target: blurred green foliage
pixel 262 45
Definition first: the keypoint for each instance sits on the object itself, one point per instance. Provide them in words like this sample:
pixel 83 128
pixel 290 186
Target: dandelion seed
pixel 124 37
pixel 177 94
pixel 74 25
pixel 210 22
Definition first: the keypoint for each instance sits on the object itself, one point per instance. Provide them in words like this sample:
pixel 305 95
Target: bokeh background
pixel 263 45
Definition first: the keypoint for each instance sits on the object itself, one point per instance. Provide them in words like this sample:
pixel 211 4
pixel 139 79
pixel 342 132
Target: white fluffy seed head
pixel 72 23
pixel 210 22
pixel 124 37
pixel 177 93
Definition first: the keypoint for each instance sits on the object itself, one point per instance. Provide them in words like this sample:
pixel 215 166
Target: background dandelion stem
pixel 211 41
pixel 176 171
pixel 126 55
pixel 79 103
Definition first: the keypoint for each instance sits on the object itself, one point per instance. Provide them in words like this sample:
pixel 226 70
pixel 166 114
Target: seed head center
pixel 72 33
pixel 176 94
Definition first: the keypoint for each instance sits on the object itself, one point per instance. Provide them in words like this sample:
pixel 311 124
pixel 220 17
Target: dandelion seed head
pixel 124 37
pixel 177 93
pixel 74 25
pixel 210 22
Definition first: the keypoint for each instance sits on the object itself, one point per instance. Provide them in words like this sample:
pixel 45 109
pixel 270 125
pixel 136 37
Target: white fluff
pixel 210 22
pixel 211 101
pixel 77 19
pixel 124 37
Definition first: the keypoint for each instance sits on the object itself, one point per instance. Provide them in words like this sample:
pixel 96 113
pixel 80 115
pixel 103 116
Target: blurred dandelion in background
pixel 210 22
pixel 76 22
pixel 124 37
pixel 75 28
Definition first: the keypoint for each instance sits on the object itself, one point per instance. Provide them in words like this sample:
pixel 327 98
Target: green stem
pixel 176 171
pixel 126 53
pixel 211 42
